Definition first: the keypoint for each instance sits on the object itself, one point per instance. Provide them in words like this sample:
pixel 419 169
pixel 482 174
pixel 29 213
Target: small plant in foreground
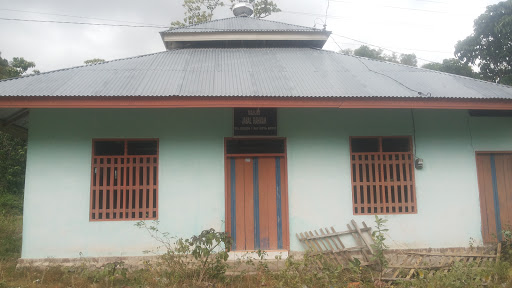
pixel 379 247
pixel 201 258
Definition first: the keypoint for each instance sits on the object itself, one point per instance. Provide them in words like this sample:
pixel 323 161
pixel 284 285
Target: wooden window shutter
pixel 124 180
pixel 382 172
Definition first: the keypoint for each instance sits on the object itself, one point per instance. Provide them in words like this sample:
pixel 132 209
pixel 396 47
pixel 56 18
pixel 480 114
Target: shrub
pixel 199 259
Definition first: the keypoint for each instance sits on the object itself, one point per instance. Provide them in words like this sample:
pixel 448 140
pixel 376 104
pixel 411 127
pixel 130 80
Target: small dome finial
pixel 243 9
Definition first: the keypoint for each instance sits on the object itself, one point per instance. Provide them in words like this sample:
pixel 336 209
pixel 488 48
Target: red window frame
pixel 118 196
pixel 383 182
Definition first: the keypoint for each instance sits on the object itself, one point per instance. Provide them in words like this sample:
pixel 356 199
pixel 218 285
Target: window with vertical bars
pixel 124 180
pixel 382 175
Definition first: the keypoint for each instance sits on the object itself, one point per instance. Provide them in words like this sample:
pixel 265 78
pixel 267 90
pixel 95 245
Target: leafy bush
pixel 464 275
pixel 12 164
pixel 11 205
pixel 200 259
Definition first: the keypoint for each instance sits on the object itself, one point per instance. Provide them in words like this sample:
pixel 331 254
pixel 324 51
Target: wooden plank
pixel 449 254
pixel 240 203
pixel 151 186
pixel 368 244
pixel 365 186
pixel 360 197
pixel 264 174
pixel 405 261
pixel 504 181
pixel 359 242
pixel 249 203
pixel 388 184
pixel 365 229
pixel 327 249
pixel 315 242
pixel 104 189
pixel 285 215
pixel 486 197
pixel 416 265
pixel 93 189
pixel 272 204
pixel 111 188
pixel 137 184
pixel 329 238
pixel 144 186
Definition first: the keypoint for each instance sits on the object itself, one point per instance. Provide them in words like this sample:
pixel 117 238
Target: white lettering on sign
pixel 246 120
pixel 259 120
pixel 254 112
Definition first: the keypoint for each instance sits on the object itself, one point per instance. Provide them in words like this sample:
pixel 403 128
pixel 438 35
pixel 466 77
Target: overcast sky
pixel 429 28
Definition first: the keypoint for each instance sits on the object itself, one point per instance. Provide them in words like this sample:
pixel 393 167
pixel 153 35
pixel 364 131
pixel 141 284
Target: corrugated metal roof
pixel 288 72
pixel 240 24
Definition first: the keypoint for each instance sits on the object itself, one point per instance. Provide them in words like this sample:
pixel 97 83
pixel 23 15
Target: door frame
pixel 284 187
pixel 483 211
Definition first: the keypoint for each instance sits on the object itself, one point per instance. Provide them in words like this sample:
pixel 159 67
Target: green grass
pixel 11 223
pixel 298 273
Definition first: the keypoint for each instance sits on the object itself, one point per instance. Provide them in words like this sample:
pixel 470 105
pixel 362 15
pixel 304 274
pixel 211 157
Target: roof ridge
pixel 81 66
pixel 273 21
pixel 241 29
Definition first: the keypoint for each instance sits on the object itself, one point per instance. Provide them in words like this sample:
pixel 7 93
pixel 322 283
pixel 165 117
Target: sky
pixel 428 28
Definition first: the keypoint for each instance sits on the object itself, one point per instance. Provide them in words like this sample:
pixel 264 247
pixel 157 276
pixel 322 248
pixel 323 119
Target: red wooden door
pixel 257 214
pixel 495 185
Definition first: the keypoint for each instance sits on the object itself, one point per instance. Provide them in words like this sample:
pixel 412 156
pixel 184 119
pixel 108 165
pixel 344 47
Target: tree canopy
pixel 199 11
pixel 378 54
pixel 15 68
pixel 94 61
pixel 12 149
pixel 453 66
pixel 490 45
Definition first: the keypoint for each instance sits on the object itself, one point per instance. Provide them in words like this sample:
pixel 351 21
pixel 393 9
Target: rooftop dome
pixel 243 9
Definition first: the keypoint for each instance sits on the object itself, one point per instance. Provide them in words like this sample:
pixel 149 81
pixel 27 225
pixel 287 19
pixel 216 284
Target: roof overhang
pixel 176 40
pixel 276 102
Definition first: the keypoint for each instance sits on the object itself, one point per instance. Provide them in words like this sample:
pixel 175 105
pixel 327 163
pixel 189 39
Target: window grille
pixel 124 180
pixel 382 175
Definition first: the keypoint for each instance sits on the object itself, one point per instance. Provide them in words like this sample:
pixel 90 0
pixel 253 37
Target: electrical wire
pixel 76 16
pixel 82 23
pixel 380 47
pixel 326 11
pixel 413 132
pixel 400 8
pixel 387 76
pixel 336 42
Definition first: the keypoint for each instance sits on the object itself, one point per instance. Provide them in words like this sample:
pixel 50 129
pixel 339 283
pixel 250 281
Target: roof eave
pixel 276 102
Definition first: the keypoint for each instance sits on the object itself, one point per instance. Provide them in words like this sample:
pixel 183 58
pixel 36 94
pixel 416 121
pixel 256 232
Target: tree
pixel 15 68
pixel 262 8
pixel 94 61
pixel 367 52
pixel 452 66
pixel 12 164
pixel 12 149
pixel 378 54
pixel 409 59
pixel 489 46
pixel 199 11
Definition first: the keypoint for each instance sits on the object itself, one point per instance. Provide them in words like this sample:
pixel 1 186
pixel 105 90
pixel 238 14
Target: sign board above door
pixel 255 122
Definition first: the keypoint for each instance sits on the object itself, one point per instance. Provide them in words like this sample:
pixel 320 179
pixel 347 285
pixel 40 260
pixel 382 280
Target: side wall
pixel 56 222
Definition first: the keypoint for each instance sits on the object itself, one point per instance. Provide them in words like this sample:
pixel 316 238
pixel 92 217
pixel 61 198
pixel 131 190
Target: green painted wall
pixel 56 222
pixel 56 208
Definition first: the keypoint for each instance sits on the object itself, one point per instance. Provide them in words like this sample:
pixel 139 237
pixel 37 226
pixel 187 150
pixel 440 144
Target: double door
pixel 256 202
pixel 495 185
